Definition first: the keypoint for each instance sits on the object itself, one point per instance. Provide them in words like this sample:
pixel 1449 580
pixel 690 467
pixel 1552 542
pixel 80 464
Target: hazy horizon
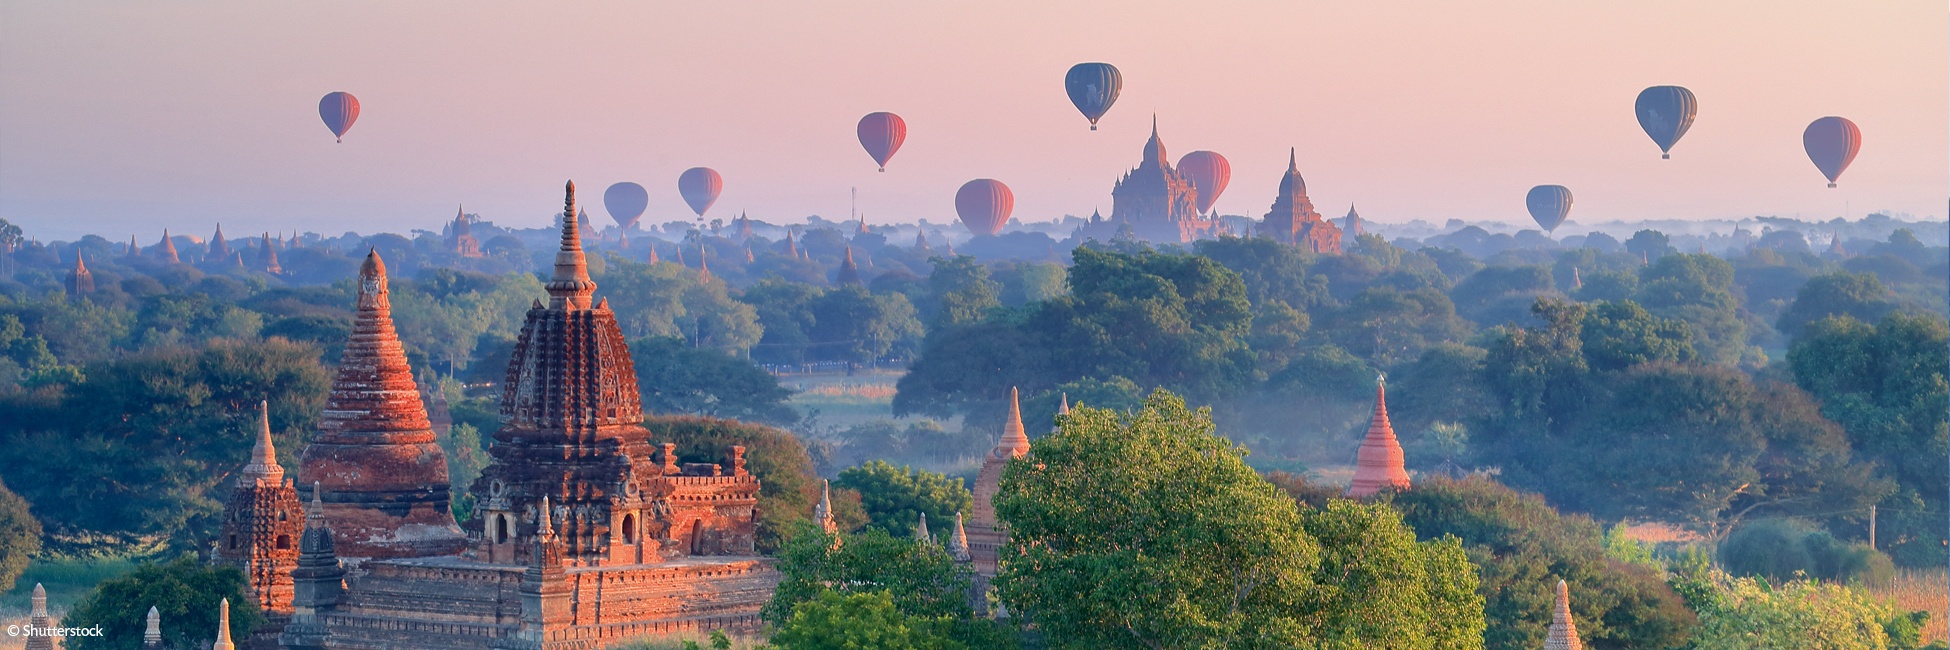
pixel 127 119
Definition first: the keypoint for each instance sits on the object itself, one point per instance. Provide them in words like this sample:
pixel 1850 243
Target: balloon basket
pixel 1831 186
pixel 883 170
pixel 1093 127
pixel 1665 156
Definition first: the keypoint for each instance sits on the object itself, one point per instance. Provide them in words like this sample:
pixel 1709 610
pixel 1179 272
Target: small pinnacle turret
pixel 264 467
pixel 223 628
pixel 570 285
pixel 1563 633
pixel 152 630
pixel 1014 442
pixel 823 511
pixel 921 531
pixel 958 541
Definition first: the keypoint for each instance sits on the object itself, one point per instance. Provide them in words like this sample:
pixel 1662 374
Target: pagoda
pixel 1293 221
pixel 1157 201
pixel 169 249
pixel 1563 632
pixel 267 257
pixel 1379 463
pixel 219 248
pixel 261 524
pixel 984 532
pixel 375 454
pixel 1351 224
pixel 849 273
pixel 79 280
pixel 460 235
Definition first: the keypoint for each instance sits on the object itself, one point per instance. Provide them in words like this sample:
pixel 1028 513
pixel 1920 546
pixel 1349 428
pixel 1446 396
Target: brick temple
pixel 589 534
pixel 1155 201
pixel 1292 219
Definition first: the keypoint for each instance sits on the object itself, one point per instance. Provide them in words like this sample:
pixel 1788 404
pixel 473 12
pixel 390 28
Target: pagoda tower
pixel 152 630
pixel 1292 219
pixel 460 235
pixel 1351 224
pixel 1379 463
pixel 791 248
pixel 169 249
pixel 375 455
pixel 267 256
pixel 572 435
pixel 983 532
pixel 317 582
pixel 219 248
pixel 1156 200
pixel 1564 633
pixel 848 273
pixel 79 280
pixel 921 242
pixel 261 524
pixel 37 617
pixel 135 249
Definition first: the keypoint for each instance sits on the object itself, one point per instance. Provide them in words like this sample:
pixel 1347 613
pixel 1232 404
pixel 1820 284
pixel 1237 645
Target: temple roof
pixel 264 467
pixel 1014 442
pixel 1291 183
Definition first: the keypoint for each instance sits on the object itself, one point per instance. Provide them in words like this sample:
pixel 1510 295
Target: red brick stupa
pixel 384 476
pixel 1379 463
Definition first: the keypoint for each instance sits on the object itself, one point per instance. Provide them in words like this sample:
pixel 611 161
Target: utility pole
pixel 1872 527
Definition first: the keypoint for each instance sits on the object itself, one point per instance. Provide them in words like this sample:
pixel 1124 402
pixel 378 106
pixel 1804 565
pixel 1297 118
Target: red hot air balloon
pixel 700 187
pixel 1209 173
pixel 339 110
pixel 984 205
pixel 1832 143
pixel 882 134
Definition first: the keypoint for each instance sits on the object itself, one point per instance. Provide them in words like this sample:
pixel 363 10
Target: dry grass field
pixel 1926 591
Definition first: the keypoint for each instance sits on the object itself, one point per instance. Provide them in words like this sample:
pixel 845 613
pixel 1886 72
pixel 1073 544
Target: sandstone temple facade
pixel 1292 219
pixel 589 533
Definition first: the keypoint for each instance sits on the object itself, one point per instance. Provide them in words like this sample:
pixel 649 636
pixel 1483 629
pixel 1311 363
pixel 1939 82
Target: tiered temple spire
pixel 1379 463
pixel 152 630
pixel 169 249
pixel 823 512
pixel 264 467
pixel 37 617
pixel 223 628
pixel 958 541
pixel 79 280
pixel 1564 633
pixel 849 273
pixel 921 531
pixel 375 450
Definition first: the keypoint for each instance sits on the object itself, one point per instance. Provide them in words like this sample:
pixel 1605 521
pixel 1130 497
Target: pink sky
pixel 121 117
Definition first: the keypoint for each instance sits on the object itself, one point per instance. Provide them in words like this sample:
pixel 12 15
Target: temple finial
pixel 570 286
pixel 264 456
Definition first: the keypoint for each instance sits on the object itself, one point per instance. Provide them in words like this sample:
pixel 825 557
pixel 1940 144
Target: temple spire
pixel 1293 163
pixel 223 628
pixel 958 541
pixel 39 601
pixel 135 250
pixel 823 512
pixel 264 465
pixel 921 531
pixel 849 273
pixel 169 249
pixel 1379 463
pixel 653 253
pixel 152 629
pixel 1563 633
pixel 1063 408
pixel 570 286
pixel 1014 441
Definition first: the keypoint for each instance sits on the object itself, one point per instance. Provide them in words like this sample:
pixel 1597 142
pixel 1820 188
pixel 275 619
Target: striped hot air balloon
pixel 984 205
pixel 339 110
pixel 1832 143
pixel 1549 204
pixel 1209 173
pixel 1665 112
pixel 1093 87
pixel 700 187
pixel 882 134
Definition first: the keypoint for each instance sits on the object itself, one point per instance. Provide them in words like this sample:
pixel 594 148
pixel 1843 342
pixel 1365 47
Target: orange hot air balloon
pixel 1209 173
pixel 882 134
pixel 984 205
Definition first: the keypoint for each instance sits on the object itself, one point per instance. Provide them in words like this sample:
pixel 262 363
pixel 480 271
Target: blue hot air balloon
pixel 626 202
pixel 1548 205
pixel 1665 112
pixel 1093 87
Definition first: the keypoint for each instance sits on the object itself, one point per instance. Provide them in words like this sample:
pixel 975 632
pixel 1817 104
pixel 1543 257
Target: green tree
pixel 784 311
pixel 674 300
pixel 1697 289
pixel 1147 530
pixel 147 444
pixel 867 620
pixel 895 497
pixel 676 377
pixel 1524 547
pixel 1387 326
pixel 1856 295
pixel 919 577
pixel 852 325
pixel 1619 335
pixel 1649 244
pixel 185 592
pixel 787 485
pixel 1885 384
pixel 960 291
pixel 20 537
pixel 1798 615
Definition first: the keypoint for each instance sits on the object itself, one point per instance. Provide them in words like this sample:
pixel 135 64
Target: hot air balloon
pixel 984 205
pixel 1209 173
pixel 625 202
pixel 1093 88
pixel 1548 205
pixel 700 187
pixel 339 110
pixel 1665 112
pixel 882 134
pixel 1832 143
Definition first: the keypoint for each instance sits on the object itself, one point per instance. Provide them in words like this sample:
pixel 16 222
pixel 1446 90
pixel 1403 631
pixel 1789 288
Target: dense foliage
pixel 186 593
pixel 20 536
pixel 894 498
pixel 787 485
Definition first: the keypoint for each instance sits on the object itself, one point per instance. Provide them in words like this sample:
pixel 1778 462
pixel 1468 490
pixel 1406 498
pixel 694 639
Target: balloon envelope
pixel 1665 112
pixel 882 134
pixel 1832 143
pixel 1209 173
pixel 339 110
pixel 1548 205
pixel 1093 87
pixel 625 202
pixel 700 187
pixel 984 205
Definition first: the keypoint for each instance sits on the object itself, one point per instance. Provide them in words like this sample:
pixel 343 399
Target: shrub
pixel 1780 549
